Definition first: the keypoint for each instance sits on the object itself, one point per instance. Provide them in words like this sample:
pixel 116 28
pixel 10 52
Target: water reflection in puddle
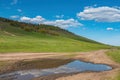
pixel 72 67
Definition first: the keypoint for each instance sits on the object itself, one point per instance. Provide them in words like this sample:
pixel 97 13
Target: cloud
pixel 19 10
pixel 59 22
pixel 59 16
pixel 36 20
pixel 100 14
pixel 14 2
pixel 14 16
pixel 109 29
pixel 25 19
pixel 64 23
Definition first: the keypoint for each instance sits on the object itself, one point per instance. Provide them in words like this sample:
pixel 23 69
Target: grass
pixel 115 55
pixel 118 76
pixel 45 43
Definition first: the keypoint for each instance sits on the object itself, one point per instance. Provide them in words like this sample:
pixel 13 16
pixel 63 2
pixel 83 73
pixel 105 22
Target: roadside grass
pixel 118 76
pixel 115 55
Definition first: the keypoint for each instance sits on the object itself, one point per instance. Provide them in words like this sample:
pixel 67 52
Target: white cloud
pixel 60 22
pixel 14 16
pixel 19 10
pixel 59 16
pixel 36 20
pixel 109 29
pixel 25 19
pixel 100 14
pixel 14 2
pixel 64 23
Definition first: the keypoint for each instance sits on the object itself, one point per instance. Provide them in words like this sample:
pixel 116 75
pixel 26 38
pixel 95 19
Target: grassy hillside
pixel 22 37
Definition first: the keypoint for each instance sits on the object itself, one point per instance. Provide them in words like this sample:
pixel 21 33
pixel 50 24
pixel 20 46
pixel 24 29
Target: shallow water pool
pixel 72 67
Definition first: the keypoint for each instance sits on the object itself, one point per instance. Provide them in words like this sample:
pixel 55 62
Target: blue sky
pixel 95 19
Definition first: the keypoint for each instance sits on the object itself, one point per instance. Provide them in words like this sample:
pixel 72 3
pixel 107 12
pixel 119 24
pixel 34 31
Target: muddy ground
pixel 98 57
pixel 23 61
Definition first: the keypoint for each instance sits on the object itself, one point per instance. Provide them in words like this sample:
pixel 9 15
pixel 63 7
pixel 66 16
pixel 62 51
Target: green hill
pixel 23 37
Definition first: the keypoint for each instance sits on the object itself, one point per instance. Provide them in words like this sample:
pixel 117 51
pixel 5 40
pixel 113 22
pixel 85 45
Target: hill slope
pixel 22 37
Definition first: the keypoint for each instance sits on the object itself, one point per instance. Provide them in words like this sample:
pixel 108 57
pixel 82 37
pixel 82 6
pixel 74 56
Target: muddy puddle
pixel 29 71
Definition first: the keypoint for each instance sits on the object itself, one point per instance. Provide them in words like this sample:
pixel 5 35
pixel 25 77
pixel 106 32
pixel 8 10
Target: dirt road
pixel 27 56
pixel 95 57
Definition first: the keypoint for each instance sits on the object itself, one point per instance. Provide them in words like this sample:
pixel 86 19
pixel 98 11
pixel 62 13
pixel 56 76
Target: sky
pixel 95 19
